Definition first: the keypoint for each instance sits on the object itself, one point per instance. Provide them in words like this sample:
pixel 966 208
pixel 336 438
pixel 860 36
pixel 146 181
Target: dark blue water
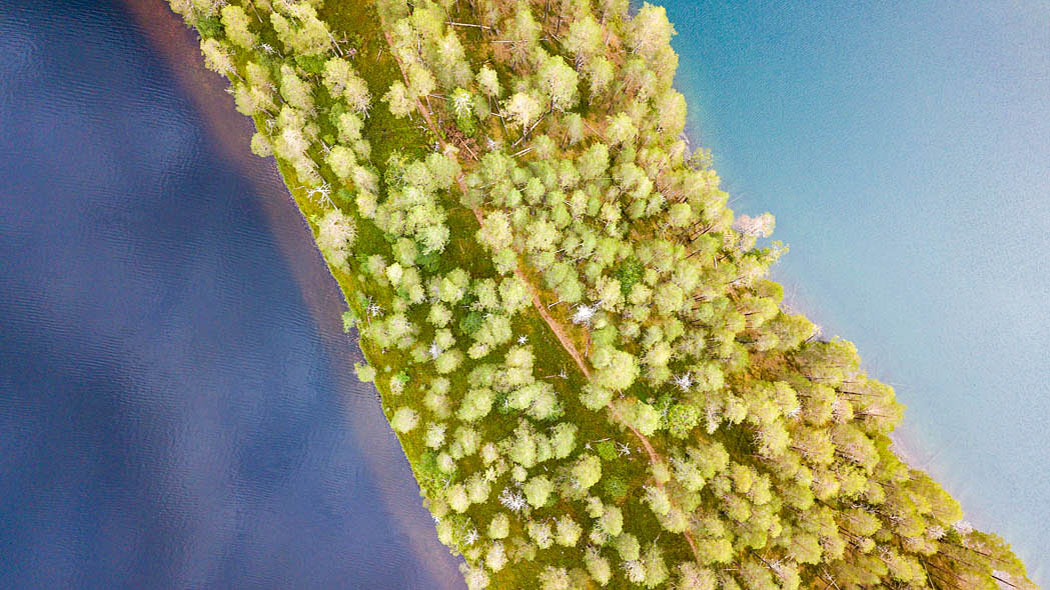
pixel 904 148
pixel 174 411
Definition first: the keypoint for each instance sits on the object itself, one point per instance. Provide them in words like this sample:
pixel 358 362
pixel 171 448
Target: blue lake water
pixel 175 407
pixel 904 148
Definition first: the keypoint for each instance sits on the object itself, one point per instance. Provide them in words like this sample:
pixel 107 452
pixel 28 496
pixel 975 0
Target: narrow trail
pixel 537 302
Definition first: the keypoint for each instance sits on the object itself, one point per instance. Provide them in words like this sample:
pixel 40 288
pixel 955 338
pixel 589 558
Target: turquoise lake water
pixel 905 151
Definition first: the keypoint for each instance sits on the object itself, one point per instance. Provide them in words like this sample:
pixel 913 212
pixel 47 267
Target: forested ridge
pixel 574 338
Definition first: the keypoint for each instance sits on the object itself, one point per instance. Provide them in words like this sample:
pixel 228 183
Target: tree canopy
pixel 573 336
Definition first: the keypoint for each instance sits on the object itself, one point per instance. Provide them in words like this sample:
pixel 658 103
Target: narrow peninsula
pixel 573 337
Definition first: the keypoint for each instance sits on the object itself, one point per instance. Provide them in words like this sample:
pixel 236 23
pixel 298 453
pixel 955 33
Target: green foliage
pixel 606 449
pixel 236 24
pixel 404 420
pixel 313 64
pixel 209 27
pixel 471 322
pixel 615 488
pixel 518 227
pixel 629 273
pixel 538 490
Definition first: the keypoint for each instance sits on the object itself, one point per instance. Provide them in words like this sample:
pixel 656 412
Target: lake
pixel 905 151
pixel 176 403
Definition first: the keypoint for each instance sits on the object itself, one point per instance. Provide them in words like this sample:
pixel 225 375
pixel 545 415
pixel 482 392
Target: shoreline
pixel 319 290
pixel 906 440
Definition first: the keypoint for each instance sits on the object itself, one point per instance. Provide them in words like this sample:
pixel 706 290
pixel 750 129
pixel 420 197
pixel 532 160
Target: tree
pixel 610 523
pixel 540 533
pixel 593 162
pixel 691 577
pixel 679 215
pixel 524 32
pixel 496 557
pixel 671 111
pixel 555 578
pixel 421 82
pixel 438 404
pixel 299 29
pixel 475 577
pixel 235 22
pixel 600 71
pixel 656 571
pixel 542 235
pixel 634 571
pixel 343 82
pixel 342 161
pixel 574 128
pixel 567 532
pixel 448 361
pixel 586 472
pixel 478 488
pixel 494 330
pixel 668 298
pixel 627 546
pixel 496 232
pixel 621 130
pixel 595 398
pixel 514 294
pixel 584 38
pixel 711 551
pixel 405 419
pixel 650 31
pixel 457 498
pixel 681 419
pixel 617 369
pixel 759 227
pixel 365 373
pixel 435 435
pixel 349 126
pixel 488 81
pixel 261 145
pixel 563 439
pixel 499 526
pixel 298 93
pixel 398 100
pixel 523 109
pixel 452 66
pixel 657 499
pixel 522 446
pixel 597 566
pixel 462 105
pixel 335 235
pixel 644 417
pixel 250 100
pixel 216 58
pixel 559 82
pixel 476 405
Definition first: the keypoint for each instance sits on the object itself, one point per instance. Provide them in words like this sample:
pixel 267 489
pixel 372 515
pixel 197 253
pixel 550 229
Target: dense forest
pixel 573 337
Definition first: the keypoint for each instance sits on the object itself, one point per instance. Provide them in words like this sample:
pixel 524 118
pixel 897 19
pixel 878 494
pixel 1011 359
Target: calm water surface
pixel 174 407
pixel 905 149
